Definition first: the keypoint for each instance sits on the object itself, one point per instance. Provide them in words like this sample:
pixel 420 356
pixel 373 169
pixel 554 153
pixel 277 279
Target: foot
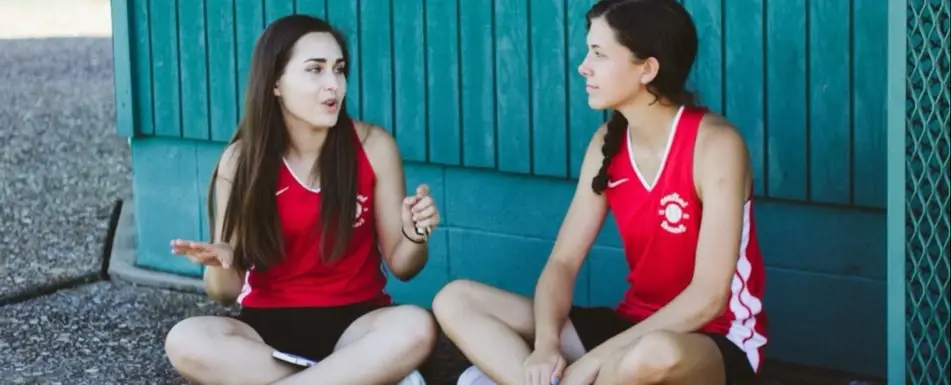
pixel 474 376
pixel 413 378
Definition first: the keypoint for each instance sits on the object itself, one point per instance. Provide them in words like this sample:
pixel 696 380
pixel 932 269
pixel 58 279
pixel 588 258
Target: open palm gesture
pixel 208 254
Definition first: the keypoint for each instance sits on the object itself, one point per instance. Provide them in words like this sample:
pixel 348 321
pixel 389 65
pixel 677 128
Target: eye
pixel 315 70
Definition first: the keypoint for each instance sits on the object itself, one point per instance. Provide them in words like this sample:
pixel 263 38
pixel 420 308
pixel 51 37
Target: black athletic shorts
pixel 307 332
pixel 598 324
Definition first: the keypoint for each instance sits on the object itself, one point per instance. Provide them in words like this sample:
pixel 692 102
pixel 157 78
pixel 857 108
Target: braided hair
pixel 662 29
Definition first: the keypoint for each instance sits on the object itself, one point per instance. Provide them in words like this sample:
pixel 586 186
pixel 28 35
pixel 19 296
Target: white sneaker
pixel 413 378
pixel 474 376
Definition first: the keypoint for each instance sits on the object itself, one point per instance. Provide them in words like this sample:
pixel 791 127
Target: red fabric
pixel 301 279
pixel 659 226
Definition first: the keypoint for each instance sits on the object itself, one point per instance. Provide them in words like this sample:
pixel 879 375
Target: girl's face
pixel 313 85
pixel 613 76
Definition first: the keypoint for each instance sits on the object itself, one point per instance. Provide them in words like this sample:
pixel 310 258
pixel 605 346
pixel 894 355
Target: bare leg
pixel 382 347
pixel 666 358
pixel 491 327
pixel 218 350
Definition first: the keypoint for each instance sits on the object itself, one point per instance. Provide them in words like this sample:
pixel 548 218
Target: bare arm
pixel 223 284
pixel 723 180
pixel 404 258
pixel 553 294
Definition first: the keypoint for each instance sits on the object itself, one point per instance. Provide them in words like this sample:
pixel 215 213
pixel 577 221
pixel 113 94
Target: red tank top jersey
pixel 659 226
pixel 302 279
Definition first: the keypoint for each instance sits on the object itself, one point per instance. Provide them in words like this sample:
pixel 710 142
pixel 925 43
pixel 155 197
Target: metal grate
pixel 927 225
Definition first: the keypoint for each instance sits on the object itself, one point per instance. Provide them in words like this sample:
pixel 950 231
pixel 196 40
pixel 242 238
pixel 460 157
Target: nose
pixel 583 69
pixel 331 83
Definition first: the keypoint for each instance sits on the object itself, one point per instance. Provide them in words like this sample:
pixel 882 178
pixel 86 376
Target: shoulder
pixel 228 164
pixel 378 144
pixel 719 141
pixel 721 154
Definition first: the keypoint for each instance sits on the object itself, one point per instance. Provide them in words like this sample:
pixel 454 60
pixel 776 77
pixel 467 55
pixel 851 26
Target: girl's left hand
pixel 420 213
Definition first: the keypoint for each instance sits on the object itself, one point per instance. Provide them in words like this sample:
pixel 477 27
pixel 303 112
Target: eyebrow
pixel 323 60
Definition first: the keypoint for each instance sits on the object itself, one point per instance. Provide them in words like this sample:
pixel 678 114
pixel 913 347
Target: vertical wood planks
pixel 707 75
pixel 316 8
pixel 583 121
pixel 345 16
pixel 869 72
pixel 207 155
pixel 744 78
pixel 786 100
pixel 513 93
pixel 142 67
pixel 193 61
pixel 494 83
pixel 276 9
pixel 409 77
pixel 477 53
pixel 163 21
pixel 830 157
pixel 222 70
pixel 442 63
pixel 377 54
pixel 549 87
pixel 122 35
pixel 249 23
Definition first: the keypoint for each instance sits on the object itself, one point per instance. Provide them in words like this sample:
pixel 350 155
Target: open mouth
pixel 330 103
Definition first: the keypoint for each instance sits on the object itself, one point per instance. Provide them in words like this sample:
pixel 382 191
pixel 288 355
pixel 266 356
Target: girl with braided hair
pixel 677 179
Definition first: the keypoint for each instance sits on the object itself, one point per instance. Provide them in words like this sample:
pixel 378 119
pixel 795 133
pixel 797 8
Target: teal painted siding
pixel 486 93
pixel 493 84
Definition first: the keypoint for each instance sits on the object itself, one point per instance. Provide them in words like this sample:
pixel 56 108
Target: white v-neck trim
pixel 663 161
pixel 301 183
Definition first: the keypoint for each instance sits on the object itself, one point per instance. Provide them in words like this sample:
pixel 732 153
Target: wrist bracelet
pixel 403 229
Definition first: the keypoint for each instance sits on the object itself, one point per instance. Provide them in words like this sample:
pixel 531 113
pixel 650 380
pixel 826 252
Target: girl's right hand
pixel 544 367
pixel 218 254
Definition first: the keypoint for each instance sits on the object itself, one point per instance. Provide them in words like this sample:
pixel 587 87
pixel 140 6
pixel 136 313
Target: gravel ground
pixel 98 334
pixel 62 163
pixel 113 333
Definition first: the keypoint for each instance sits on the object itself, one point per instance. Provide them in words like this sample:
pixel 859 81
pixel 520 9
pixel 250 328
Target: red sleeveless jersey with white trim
pixel 659 225
pixel 302 279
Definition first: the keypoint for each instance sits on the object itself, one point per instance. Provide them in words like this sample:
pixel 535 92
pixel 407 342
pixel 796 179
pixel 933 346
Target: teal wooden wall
pixel 486 105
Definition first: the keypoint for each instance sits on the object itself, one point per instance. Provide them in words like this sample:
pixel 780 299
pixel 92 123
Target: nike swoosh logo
pixel 613 184
pixel 281 191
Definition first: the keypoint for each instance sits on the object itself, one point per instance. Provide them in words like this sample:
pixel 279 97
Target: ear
pixel 649 69
pixel 277 89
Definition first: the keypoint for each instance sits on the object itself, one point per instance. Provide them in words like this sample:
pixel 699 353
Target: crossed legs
pixel 382 346
pixel 493 328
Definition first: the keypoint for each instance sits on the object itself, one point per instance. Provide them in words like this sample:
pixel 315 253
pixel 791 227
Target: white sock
pixel 474 376
pixel 413 378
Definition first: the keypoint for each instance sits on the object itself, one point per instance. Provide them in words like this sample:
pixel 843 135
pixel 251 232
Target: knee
pixel 184 345
pixel 652 359
pixel 416 330
pixel 453 298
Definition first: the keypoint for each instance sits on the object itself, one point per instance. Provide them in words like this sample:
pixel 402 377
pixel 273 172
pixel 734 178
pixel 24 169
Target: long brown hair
pixel 251 221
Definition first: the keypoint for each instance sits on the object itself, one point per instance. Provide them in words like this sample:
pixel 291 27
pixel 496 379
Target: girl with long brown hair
pixel 307 207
